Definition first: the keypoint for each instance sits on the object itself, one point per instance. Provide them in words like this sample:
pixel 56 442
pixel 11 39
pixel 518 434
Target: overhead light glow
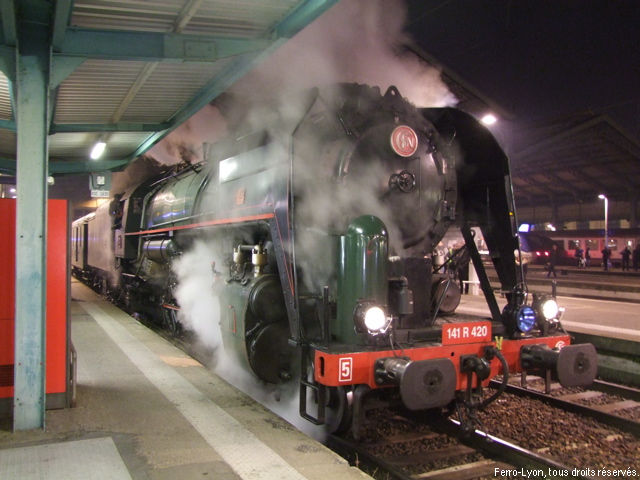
pixel 489 119
pixel 12 190
pixel 602 196
pixel 98 150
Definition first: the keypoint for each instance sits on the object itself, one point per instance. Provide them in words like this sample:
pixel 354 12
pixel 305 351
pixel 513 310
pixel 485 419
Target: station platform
pixel 146 410
pixel 591 282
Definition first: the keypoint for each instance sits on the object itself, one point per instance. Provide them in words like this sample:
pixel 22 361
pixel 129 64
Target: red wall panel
pixel 57 285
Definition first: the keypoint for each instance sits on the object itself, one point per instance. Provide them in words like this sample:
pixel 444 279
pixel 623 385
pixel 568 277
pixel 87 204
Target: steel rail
pixel 509 452
pixel 498 450
pixel 614 389
pixel 625 424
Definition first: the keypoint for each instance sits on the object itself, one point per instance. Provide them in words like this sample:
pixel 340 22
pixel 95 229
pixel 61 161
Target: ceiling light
pixel 489 119
pixel 98 150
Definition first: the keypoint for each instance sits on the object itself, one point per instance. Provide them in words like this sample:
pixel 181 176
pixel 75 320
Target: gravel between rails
pixel 570 439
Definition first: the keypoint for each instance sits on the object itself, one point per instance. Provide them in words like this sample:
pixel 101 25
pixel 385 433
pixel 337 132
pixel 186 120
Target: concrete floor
pixel 146 410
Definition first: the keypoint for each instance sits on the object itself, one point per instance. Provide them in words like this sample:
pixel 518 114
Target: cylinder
pixel 362 273
pixel 160 251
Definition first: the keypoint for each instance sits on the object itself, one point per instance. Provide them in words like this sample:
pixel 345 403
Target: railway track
pixel 447 452
pixel 614 405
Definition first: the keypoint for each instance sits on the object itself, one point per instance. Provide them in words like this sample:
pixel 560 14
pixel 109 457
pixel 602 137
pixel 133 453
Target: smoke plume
pixel 199 308
pixel 359 41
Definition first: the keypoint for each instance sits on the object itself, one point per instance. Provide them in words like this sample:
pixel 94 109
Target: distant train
pixel 324 215
pixel 539 243
pixel 537 247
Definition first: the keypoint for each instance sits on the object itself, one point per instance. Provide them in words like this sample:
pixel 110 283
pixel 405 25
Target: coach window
pixel 574 244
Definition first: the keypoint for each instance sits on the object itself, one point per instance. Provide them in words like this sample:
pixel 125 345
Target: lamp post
pixel 606 219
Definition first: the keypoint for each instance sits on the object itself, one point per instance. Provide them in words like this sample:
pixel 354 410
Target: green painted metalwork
pixel 8 20
pixel 362 273
pixel 62 67
pixel 108 127
pixel 303 15
pixel 8 125
pixel 63 167
pixel 8 62
pixel 32 104
pixel 61 17
pixel 7 166
pixel 154 47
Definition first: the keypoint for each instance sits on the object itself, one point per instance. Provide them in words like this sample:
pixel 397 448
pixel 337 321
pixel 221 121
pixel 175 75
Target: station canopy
pixel 130 71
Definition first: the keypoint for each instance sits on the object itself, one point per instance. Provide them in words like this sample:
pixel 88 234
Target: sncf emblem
pixel 345 369
pixel 404 141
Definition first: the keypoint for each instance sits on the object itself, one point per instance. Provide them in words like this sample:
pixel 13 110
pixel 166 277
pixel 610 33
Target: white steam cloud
pixel 359 41
pixel 184 144
pixel 199 308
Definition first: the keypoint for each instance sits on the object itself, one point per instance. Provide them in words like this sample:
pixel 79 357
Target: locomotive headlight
pixel 375 319
pixel 525 318
pixel 546 306
pixel 519 317
pixel 549 309
pixel 371 318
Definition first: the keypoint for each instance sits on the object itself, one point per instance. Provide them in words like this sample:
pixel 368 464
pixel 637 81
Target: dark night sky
pixel 540 60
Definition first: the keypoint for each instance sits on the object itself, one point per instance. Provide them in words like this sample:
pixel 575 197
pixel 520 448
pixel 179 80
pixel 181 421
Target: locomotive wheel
pixel 170 320
pixel 338 413
pixel 103 286
pixel 448 293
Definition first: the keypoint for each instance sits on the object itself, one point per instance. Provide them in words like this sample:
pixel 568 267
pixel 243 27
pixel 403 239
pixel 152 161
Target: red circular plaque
pixel 404 141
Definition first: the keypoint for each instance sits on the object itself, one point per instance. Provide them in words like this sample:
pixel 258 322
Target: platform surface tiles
pixel 146 410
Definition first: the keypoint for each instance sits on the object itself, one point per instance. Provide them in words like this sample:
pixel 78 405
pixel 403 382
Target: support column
pixel 32 75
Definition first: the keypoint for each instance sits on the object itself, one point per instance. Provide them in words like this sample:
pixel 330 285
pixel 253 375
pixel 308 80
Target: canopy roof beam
pixel 153 47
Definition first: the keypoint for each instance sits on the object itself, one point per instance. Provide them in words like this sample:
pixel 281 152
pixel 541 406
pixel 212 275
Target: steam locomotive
pixel 324 215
